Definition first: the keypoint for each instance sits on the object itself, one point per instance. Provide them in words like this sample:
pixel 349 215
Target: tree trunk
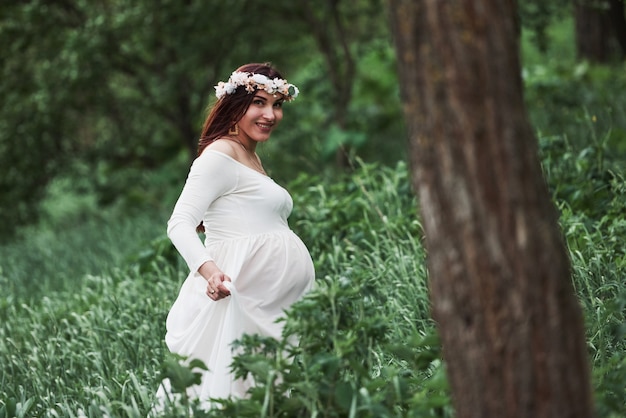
pixel 618 22
pixel 502 296
pixel 599 30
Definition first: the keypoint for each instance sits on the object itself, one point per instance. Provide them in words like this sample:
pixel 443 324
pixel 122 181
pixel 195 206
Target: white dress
pixel 246 233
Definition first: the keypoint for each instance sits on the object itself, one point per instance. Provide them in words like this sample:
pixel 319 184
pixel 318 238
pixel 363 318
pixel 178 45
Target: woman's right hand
pixel 215 278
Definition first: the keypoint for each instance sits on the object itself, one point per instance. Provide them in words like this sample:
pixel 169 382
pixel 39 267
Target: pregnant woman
pixel 251 266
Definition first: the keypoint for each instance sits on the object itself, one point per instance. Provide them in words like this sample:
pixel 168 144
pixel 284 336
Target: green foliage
pixel 121 88
pixel 34 264
pixel 610 392
pixel 182 376
pixel 537 17
pixel 348 359
pixel 83 348
pixel 182 373
pixel 86 292
pixel 360 344
pixel 565 97
pixel 589 188
pixel 359 356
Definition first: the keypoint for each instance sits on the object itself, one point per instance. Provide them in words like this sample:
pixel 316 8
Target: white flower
pixel 230 88
pixel 253 82
pixel 279 86
pixel 269 87
pixel 239 78
pixel 279 83
pixel 220 90
pixel 260 79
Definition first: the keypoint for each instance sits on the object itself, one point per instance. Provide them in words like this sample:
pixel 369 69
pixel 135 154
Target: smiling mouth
pixel 265 125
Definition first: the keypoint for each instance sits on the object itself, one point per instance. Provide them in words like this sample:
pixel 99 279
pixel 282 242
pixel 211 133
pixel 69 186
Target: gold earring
pixel 234 130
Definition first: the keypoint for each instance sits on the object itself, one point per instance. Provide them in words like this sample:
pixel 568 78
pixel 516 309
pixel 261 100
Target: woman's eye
pixel 258 102
pixel 278 104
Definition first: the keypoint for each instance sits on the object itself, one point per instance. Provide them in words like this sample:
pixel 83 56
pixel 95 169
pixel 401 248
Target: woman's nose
pixel 269 113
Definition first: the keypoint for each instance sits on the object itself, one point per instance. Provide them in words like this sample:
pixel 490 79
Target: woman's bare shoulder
pixel 225 146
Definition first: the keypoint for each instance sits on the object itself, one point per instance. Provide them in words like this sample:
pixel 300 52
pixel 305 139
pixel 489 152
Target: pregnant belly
pixel 271 268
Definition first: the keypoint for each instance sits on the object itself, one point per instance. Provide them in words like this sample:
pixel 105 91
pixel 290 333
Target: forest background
pixel 101 110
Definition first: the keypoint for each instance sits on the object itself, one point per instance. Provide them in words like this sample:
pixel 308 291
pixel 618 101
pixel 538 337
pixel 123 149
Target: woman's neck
pixel 251 148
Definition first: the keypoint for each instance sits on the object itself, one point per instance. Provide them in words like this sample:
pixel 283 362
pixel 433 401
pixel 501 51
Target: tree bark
pixel 618 21
pixel 500 278
pixel 600 30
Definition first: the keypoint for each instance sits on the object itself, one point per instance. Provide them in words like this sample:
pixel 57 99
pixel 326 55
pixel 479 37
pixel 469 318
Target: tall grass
pixel 46 259
pixel 89 342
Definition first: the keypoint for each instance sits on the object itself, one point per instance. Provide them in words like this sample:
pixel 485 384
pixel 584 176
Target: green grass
pixel 85 297
pixel 47 258
pixel 91 339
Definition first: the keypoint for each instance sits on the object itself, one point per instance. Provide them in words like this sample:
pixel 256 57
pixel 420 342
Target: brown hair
pixel 229 109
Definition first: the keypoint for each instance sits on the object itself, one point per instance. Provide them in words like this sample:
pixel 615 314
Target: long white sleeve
pixel 210 177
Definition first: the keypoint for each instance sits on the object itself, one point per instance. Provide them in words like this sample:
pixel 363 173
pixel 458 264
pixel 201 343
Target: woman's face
pixel 262 116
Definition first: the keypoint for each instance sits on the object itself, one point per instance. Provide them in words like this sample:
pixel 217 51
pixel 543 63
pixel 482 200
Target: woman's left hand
pixel 215 288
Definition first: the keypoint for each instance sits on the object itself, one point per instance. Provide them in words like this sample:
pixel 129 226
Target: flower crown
pixel 254 82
